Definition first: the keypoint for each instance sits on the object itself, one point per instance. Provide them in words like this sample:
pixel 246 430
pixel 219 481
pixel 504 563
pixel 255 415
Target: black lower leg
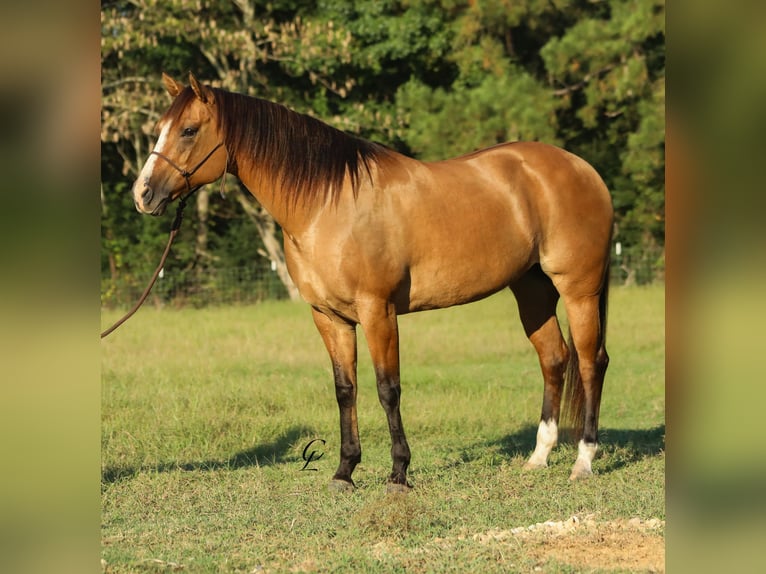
pixel 350 448
pixel 593 388
pixel 389 391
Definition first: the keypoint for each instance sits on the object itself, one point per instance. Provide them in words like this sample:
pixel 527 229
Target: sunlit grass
pixel 206 412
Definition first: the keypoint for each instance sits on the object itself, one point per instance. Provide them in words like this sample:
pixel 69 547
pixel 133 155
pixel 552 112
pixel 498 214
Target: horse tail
pixel 573 408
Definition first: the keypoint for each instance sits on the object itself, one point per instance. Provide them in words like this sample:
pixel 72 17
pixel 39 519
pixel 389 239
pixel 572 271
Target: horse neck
pixel 292 218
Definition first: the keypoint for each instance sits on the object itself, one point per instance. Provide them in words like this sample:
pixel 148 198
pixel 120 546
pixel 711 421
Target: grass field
pixel 206 413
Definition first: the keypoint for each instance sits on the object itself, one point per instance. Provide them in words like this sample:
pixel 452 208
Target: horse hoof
pixel 535 465
pixel 579 473
pixel 337 485
pixel 395 488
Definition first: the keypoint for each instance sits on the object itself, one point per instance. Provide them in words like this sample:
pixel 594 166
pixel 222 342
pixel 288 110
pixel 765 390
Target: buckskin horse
pixel 370 234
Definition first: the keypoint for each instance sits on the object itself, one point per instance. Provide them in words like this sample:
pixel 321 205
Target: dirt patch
pixel 636 545
pixel 579 544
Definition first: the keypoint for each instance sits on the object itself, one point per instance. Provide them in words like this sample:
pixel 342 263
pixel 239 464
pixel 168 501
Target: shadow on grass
pixel 617 447
pixel 266 454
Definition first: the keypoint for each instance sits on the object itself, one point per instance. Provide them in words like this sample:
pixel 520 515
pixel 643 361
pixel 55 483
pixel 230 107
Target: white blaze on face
pixel 146 173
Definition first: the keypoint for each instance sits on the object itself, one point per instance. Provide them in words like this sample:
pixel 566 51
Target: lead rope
pixel 176 225
pixel 173 228
pixel 173 232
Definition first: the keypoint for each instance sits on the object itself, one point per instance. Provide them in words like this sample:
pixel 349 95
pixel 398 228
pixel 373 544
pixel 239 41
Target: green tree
pixel 432 78
pixel 609 70
pixel 494 93
pixel 257 48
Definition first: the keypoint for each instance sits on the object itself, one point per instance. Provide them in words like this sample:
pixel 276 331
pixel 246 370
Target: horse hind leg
pixel 585 374
pixel 537 298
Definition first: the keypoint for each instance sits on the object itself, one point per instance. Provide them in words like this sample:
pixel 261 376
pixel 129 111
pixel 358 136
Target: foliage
pixel 431 78
pixel 612 69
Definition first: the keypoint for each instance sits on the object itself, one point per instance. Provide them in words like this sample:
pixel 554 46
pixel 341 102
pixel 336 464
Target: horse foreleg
pixel 340 339
pixel 381 329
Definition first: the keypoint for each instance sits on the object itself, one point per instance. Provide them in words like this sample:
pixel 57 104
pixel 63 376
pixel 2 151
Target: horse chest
pixel 316 273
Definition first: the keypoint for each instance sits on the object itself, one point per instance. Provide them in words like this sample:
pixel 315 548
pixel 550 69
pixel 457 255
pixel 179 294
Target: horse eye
pixel 189 132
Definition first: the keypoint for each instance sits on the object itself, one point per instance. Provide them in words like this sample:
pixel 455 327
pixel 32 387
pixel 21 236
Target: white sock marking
pixel 585 455
pixel 547 437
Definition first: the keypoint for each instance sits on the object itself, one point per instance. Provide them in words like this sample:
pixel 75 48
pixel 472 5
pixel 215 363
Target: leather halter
pixel 187 174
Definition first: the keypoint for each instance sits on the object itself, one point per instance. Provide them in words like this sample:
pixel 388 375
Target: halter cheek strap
pixel 188 174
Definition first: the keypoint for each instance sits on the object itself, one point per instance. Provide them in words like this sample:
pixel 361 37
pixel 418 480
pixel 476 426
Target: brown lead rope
pixel 173 232
pixel 175 226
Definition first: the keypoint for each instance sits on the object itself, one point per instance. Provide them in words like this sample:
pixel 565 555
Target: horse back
pixel 476 223
pixel 429 235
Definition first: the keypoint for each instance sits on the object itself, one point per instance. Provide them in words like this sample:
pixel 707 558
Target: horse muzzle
pixel 147 200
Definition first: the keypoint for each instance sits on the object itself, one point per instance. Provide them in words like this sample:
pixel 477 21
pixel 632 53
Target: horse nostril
pixel 147 194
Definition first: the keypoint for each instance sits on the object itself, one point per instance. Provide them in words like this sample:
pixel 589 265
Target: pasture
pixel 206 415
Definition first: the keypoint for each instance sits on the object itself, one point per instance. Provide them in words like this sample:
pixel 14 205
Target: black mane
pixel 306 157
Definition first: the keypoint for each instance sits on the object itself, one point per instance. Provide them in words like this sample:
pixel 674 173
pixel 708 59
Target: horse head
pixel 189 151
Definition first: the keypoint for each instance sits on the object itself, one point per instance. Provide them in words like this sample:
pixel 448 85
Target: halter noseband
pixel 187 174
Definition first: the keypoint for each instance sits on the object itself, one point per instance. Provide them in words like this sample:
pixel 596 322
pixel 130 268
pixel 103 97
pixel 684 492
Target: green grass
pixel 206 412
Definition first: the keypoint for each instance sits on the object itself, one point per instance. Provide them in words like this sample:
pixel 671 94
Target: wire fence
pixel 246 285
pixel 195 288
pixel 637 266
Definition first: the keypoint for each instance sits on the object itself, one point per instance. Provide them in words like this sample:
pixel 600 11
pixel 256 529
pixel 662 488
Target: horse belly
pixel 465 273
pixel 469 247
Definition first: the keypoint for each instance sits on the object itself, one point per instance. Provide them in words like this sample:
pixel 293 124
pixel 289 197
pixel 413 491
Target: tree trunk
pixel 267 229
pixel 203 208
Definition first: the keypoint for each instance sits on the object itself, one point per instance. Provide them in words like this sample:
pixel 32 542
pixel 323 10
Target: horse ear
pixel 173 87
pixel 202 92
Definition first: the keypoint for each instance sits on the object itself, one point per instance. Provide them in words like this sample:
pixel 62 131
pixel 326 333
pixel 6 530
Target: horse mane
pixel 307 158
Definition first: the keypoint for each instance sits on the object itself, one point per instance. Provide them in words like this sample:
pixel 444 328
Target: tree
pixel 218 39
pixel 609 69
pixel 431 78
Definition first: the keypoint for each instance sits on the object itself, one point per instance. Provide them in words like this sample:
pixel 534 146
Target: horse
pixel 371 234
